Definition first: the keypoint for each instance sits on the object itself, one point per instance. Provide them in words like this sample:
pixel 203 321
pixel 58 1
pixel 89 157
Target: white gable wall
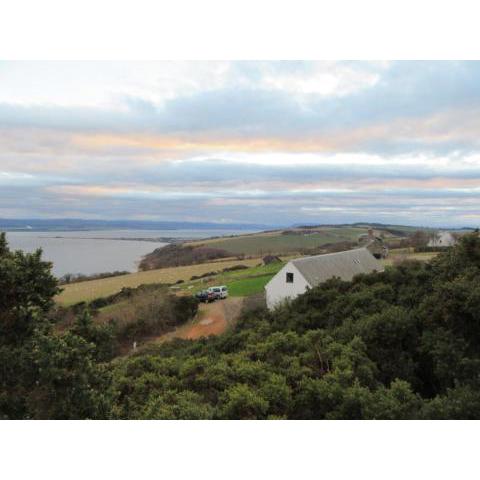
pixel 444 239
pixel 278 290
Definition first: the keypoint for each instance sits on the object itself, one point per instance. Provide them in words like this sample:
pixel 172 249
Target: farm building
pixel 268 259
pixel 442 239
pixel 375 244
pixel 298 275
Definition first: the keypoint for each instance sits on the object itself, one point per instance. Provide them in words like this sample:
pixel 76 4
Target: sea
pixel 98 251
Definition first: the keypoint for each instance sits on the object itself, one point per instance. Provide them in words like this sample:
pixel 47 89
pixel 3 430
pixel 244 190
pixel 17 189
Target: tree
pixel 44 374
pixel 102 336
pixel 419 239
pixel 27 288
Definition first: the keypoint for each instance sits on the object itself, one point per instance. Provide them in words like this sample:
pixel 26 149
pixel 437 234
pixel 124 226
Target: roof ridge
pixel 329 254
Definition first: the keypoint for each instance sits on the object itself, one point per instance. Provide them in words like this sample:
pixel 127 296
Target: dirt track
pixel 211 319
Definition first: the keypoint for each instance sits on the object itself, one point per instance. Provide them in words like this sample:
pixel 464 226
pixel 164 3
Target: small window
pixel 289 277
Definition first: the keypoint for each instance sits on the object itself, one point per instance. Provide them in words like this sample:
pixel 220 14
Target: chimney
pixel 371 236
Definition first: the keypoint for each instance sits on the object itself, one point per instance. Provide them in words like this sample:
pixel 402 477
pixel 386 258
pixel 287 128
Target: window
pixel 289 277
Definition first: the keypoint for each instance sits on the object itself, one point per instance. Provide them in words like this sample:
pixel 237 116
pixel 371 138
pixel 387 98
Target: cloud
pixel 278 140
pixel 407 107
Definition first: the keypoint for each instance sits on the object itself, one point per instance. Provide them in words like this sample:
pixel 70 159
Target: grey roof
pixel 344 265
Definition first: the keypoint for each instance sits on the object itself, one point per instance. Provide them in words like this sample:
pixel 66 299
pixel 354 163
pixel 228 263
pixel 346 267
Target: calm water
pixel 99 251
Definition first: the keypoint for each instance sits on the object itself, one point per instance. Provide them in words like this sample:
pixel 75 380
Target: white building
pixel 298 275
pixel 442 239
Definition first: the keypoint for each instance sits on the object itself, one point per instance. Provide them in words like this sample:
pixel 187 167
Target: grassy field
pixel 87 291
pixel 248 286
pixel 277 243
pixel 236 280
pixel 408 254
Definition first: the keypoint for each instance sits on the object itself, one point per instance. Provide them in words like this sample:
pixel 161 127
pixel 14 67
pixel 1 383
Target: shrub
pixel 235 268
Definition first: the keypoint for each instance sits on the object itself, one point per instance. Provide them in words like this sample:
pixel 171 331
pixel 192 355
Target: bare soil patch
pixel 212 319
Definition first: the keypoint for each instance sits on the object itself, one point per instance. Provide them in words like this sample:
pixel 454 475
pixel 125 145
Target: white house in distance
pixel 298 275
pixel 442 239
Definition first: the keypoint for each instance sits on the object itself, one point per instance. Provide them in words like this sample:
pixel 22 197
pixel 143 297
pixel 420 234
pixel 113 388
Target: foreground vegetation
pixel 401 344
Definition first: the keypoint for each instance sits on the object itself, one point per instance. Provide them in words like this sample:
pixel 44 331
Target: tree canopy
pixel 44 374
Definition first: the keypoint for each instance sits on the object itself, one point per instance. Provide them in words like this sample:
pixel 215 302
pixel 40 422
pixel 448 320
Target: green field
pixel 278 243
pixel 248 286
pixel 243 282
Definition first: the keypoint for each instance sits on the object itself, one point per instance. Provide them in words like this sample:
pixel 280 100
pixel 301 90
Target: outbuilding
pixel 442 239
pixel 298 275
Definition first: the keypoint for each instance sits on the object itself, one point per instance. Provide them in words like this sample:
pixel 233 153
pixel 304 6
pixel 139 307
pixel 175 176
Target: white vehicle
pixel 219 292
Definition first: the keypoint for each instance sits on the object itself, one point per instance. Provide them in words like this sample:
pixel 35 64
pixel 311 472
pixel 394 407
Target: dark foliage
pixel 203 275
pixel 44 374
pixel 78 277
pixel 234 268
pixel 178 255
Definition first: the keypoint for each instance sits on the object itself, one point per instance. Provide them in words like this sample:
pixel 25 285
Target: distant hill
pixel 69 224
pixel 273 242
pixel 382 226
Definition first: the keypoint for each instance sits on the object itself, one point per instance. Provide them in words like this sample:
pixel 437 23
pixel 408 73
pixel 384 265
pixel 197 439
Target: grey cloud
pixel 406 90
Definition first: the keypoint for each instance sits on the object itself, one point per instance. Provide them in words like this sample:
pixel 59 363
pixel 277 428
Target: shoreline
pixel 132 239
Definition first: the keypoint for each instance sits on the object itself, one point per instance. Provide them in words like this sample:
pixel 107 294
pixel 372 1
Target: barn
pixel 298 275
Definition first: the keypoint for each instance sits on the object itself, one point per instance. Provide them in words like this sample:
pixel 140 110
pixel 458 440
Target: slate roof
pixel 344 265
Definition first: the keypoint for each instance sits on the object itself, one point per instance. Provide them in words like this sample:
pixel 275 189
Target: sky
pixel 276 143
